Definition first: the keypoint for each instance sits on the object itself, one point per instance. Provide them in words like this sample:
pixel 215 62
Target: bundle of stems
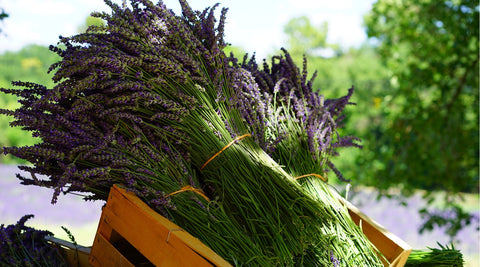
pixel 439 257
pixel 169 185
pixel 349 246
pixel 151 102
pixel 311 138
pixel 256 192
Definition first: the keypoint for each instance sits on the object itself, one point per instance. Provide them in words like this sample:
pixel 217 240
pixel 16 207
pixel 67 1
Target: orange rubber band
pixel 311 174
pixel 225 147
pixel 192 189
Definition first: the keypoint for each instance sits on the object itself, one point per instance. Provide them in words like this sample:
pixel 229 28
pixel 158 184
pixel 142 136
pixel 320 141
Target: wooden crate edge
pixel 74 255
pixel 397 259
pixel 172 230
pixel 397 240
pixel 402 251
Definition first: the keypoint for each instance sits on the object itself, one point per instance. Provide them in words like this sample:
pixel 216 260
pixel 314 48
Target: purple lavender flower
pixel 21 245
pixel 284 84
pixel 111 94
pixel 252 105
pixel 334 260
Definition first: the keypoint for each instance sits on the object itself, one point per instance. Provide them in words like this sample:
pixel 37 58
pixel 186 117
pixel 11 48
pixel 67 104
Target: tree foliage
pixel 304 37
pixel 3 14
pixel 429 139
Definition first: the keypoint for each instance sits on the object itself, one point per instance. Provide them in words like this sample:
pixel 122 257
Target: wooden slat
pixel 148 232
pixel 105 229
pixel 401 259
pixel 74 255
pixel 166 244
pixel 105 254
pixel 392 247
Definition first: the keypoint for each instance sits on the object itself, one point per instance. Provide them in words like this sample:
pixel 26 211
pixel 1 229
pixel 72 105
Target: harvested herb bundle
pixel 150 101
pixel 439 257
pixel 21 245
pixel 170 186
pixel 299 130
pixel 310 120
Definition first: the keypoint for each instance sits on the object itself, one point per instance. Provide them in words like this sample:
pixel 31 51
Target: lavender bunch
pixel 299 130
pixel 310 120
pixel 149 101
pixel 302 139
pixel 129 92
pixel 21 245
pixel 103 79
pixel 444 256
pixel 114 117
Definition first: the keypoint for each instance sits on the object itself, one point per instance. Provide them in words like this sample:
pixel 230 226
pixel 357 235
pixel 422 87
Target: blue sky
pixel 253 24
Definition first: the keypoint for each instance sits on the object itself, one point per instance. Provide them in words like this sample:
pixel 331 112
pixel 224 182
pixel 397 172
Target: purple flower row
pixel 21 245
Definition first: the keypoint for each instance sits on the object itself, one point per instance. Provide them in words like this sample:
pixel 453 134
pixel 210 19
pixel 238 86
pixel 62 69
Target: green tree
pixel 303 37
pixel 431 138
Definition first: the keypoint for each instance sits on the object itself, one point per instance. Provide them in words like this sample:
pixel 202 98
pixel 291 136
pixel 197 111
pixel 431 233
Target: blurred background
pixel 415 69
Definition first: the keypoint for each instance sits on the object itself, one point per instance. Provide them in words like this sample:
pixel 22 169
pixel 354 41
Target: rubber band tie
pixel 311 174
pixel 192 189
pixel 223 149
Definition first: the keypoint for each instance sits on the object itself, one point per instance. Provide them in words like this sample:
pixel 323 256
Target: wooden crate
pixel 74 255
pixel 132 234
pixel 394 249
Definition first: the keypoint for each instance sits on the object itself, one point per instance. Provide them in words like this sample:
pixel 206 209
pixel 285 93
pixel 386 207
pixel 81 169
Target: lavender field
pixel 16 200
pixel 81 217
